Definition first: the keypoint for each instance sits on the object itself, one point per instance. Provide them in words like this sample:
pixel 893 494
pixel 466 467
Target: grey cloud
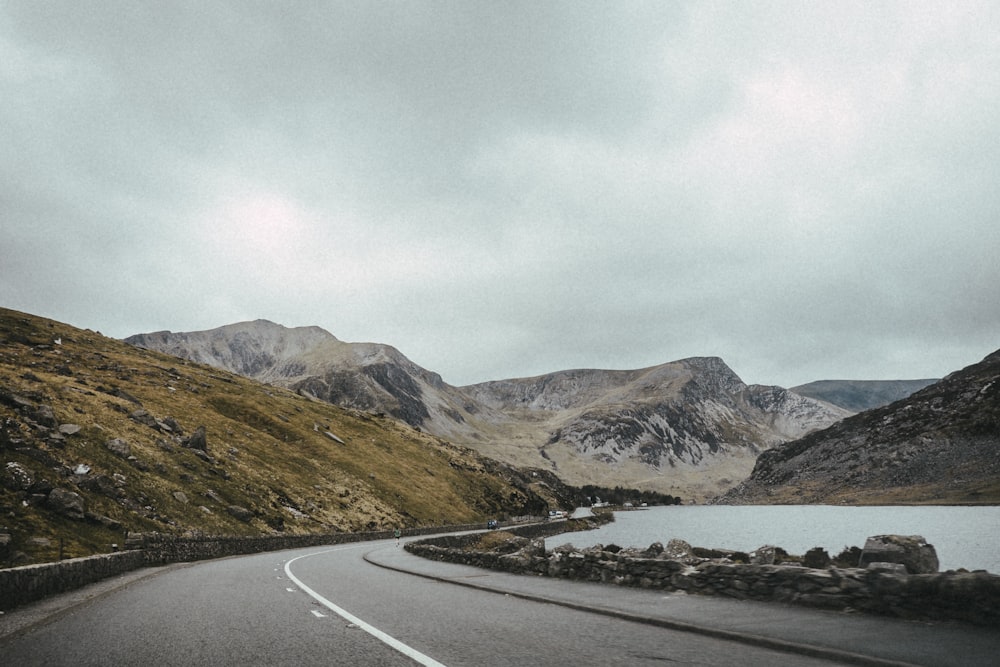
pixel 509 189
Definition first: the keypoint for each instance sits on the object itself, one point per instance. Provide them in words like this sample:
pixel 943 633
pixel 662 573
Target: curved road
pixel 286 608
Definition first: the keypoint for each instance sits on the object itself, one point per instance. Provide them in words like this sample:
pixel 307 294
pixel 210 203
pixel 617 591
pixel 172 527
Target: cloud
pixel 807 191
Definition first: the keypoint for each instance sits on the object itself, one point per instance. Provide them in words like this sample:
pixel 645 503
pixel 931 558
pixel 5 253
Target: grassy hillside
pixel 149 442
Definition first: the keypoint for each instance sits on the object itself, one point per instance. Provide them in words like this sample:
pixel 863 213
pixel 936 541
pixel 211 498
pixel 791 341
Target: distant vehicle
pixel 557 514
pixel 492 524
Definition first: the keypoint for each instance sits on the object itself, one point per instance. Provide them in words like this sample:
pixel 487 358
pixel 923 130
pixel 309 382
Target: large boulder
pixel 16 477
pixel 198 440
pixel 65 502
pixel 912 551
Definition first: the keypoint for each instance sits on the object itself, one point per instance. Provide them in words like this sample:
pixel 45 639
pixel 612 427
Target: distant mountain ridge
pixel 690 428
pixel 939 445
pixel 861 395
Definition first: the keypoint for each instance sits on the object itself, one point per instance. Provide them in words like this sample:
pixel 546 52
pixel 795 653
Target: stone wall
pixel 967 596
pixel 20 585
pixel 28 583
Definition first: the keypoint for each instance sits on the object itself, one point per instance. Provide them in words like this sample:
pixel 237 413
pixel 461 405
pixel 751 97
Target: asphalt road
pixel 329 606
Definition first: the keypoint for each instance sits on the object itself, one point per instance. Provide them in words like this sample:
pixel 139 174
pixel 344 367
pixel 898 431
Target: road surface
pixel 333 606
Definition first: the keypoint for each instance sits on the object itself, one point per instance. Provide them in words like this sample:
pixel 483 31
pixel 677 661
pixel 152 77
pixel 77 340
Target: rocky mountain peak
pixel 941 444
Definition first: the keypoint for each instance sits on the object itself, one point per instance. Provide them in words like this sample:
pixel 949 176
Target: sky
pixel 808 190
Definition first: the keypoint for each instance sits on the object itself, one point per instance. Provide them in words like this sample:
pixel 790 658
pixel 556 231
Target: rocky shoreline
pixel 895 576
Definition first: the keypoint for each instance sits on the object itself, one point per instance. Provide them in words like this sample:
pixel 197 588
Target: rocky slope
pixel 690 428
pixel 940 445
pixel 861 395
pixel 98 437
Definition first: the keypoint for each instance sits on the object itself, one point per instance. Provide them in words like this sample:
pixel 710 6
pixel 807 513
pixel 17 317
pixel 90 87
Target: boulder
pixel 912 551
pixel 198 440
pixel 119 447
pixel 764 555
pixel 678 550
pixel 16 477
pixel 816 558
pixel 45 416
pixel 65 502
pixel 172 424
pixel 241 513
pixel 142 416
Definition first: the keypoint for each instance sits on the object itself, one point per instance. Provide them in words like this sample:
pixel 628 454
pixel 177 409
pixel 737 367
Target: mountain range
pixel 940 445
pixel 691 428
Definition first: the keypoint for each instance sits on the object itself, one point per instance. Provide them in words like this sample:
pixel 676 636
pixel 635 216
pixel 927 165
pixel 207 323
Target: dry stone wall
pixel 972 597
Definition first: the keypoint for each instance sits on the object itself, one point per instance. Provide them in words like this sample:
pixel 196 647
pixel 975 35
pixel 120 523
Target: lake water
pixel 964 537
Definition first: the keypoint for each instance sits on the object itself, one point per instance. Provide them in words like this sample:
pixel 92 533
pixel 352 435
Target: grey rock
pixel 69 429
pixel 142 416
pixel 678 550
pixel 16 477
pixel 119 447
pixel 67 503
pixel 198 439
pixel 892 568
pixel 764 555
pixel 241 513
pixel 911 551
pixel 44 415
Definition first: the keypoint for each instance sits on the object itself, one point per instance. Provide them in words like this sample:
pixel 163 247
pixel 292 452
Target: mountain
pixel 861 395
pixel 940 445
pixel 98 437
pixel 690 428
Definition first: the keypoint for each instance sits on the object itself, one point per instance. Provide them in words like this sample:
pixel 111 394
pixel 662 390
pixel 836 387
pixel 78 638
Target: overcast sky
pixel 809 190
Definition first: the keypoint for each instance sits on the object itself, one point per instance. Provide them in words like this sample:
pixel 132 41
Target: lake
pixel 964 537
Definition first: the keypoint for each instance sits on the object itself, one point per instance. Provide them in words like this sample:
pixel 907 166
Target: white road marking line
pixel 318 614
pixel 290 590
pixel 408 651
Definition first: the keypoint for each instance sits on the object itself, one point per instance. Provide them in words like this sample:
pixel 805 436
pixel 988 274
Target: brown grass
pixel 269 451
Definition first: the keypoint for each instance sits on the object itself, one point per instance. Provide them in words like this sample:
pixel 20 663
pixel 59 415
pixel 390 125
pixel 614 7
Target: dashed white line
pixel 408 651
pixel 318 614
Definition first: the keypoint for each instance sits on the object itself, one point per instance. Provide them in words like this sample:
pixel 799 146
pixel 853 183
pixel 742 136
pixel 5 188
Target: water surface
pixel 964 537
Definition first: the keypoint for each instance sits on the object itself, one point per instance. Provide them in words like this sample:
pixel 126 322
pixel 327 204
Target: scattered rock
pixel 172 424
pixel 180 497
pixel 241 513
pixel 141 416
pixel 69 429
pixel 119 447
pixel 16 477
pixel 909 550
pixel 198 440
pixel 816 558
pixel 44 415
pixel 67 503
pixel 678 550
pixel 764 555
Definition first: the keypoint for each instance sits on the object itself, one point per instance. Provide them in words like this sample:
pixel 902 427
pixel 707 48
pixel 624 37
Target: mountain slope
pixel 689 428
pixel 861 395
pixel 940 445
pixel 98 437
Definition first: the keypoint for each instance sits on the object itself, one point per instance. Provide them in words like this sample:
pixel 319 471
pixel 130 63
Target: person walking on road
pixel 397 536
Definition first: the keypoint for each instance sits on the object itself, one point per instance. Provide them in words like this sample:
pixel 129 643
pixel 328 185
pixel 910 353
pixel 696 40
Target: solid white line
pixel 408 651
